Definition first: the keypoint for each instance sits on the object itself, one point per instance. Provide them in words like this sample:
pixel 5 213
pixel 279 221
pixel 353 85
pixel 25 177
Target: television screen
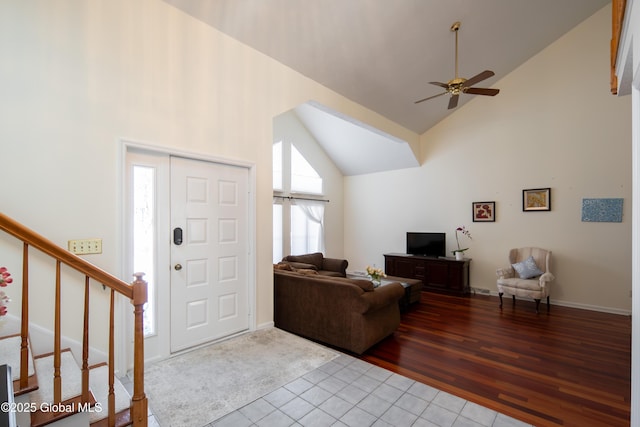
pixel 426 244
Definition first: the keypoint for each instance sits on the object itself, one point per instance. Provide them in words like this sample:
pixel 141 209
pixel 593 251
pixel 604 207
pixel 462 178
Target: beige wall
pixel 554 124
pixel 77 76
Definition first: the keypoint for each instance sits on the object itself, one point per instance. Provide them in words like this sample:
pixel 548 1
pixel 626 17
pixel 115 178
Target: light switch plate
pixel 85 246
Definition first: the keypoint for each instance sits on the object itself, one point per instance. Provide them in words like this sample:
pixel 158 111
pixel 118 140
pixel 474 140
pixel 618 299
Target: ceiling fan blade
pixel 431 97
pixel 478 78
pixel 444 85
pixel 481 91
pixel 453 101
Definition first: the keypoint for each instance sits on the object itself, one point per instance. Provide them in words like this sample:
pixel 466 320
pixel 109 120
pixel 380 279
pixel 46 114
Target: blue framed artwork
pixel 602 210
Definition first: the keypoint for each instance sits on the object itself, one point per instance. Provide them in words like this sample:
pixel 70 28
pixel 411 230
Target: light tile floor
pixel 350 392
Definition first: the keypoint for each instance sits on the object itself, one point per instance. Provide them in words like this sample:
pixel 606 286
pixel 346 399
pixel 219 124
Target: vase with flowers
pixel 375 274
pixel 5 280
pixel 459 253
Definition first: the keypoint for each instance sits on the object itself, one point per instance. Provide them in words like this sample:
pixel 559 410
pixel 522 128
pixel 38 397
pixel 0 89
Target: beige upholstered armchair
pixel 528 276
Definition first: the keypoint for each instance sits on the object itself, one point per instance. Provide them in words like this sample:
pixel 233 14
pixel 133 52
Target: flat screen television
pixel 426 244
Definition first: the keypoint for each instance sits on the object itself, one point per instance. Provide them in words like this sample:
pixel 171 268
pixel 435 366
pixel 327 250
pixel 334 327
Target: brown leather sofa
pixel 345 313
pixel 317 261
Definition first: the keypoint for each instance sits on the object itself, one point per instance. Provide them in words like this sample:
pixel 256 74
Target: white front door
pixel 209 251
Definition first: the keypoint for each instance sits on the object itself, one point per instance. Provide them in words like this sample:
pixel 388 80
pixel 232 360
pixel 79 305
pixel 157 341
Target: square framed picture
pixel 537 199
pixel 484 211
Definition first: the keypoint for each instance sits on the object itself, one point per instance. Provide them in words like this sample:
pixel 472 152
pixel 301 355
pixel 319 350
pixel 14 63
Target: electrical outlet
pixel 85 246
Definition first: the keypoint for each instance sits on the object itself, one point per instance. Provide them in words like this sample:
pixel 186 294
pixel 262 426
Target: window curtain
pixel 314 212
pixel 278 228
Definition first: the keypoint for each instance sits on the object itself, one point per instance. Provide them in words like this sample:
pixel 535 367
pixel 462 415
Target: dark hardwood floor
pixel 568 367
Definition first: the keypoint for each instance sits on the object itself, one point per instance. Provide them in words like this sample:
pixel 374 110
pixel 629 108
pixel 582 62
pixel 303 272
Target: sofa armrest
pixel 335 264
pixel 382 296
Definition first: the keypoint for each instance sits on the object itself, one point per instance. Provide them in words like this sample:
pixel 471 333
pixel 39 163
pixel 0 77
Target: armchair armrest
pixel 546 277
pixel 505 273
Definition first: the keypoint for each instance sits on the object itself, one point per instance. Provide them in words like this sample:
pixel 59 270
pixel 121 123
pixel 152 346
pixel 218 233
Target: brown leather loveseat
pixel 346 313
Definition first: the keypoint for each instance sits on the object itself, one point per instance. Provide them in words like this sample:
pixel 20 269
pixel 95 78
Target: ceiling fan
pixel 461 85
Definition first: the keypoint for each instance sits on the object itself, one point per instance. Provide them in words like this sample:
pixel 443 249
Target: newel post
pixel 139 400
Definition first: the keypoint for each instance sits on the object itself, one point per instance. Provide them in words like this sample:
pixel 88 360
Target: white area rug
pixel 198 387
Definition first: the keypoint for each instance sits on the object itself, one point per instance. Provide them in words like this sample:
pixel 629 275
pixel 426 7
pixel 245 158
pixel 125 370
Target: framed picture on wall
pixel 537 199
pixel 484 211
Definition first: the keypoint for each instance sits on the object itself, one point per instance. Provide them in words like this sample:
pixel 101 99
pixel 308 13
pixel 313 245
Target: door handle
pixel 177 267
pixel 177 236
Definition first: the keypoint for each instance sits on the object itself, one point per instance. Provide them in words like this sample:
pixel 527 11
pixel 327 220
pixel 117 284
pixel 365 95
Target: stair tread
pixel 99 384
pixel 69 371
pixel 72 385
pixel 10 354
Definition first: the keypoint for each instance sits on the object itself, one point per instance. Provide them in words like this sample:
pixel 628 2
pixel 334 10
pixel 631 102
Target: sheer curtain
pixel 307 226
pixel 278 236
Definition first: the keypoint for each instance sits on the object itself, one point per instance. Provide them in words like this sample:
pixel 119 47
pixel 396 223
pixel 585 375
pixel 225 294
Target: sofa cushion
pixel 313 259
pixel 301 265
pixel 365 285
pixel 330 273
pixel 283 266
pixel 527 269
pixel 520 284
pixel 307 271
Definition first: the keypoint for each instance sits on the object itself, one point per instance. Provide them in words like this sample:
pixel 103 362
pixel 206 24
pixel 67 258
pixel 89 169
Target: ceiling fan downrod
pixel 455 27
pixel 455 85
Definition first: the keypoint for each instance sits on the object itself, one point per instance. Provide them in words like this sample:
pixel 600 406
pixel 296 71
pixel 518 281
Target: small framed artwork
pixel 537 199
pixel 484 211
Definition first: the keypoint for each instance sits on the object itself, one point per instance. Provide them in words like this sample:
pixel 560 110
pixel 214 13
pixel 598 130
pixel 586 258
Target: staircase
pixel 59 386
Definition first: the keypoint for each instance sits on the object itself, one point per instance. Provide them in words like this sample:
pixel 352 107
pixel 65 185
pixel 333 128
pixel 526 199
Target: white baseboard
pixel 266 325
pixel 569 304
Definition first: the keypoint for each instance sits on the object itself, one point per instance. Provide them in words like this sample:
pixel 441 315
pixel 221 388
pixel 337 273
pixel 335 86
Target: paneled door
pixel 209 251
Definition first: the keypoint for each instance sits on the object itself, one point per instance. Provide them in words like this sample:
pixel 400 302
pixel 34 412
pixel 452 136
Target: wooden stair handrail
pixel 618 8
pixel 35 240
pixel 135 292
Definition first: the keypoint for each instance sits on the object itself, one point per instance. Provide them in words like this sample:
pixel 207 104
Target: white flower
pixel 464 232
pixel 375 273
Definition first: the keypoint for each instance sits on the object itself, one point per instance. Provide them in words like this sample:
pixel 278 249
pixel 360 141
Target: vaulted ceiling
pixel 382 54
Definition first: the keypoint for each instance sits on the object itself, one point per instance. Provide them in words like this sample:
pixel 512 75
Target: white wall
pixel 77 76
pixel 554 124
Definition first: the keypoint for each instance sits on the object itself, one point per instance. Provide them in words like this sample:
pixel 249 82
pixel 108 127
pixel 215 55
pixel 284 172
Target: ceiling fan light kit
pixel 459 85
